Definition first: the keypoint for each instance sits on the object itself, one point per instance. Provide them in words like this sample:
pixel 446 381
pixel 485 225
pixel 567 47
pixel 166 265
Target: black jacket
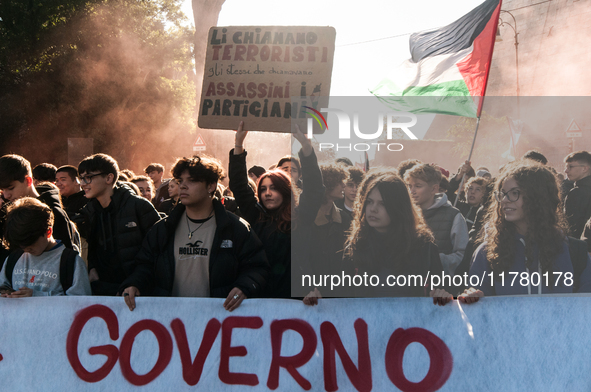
pixel 376 255
pixel 74 203
pixel 237 258
pixel 468 212
pixel 161 195
pixel 325 244
pixel 277 243
pixel 166 206
pixel 454 185
pixel 577 206
pixel 63 229
pixel 118 230
pixel 341 206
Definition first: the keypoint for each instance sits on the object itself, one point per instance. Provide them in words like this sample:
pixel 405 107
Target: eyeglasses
pixel 512 195
pixel 88 179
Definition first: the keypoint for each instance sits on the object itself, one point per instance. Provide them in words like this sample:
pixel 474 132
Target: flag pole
pixel 469 159
pixel 512 141
pixel 479 110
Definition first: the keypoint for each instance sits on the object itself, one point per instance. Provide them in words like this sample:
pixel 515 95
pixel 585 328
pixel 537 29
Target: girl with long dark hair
pixel 275 193
pixel 389 237
pixel 271 217
pixel 525 235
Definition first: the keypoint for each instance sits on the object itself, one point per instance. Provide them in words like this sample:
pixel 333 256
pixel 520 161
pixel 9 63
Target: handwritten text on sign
pixel 251 73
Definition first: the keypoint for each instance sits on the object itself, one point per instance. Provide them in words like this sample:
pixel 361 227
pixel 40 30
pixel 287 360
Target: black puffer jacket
pixel 63 229
pixel 237 258
pixel 125 223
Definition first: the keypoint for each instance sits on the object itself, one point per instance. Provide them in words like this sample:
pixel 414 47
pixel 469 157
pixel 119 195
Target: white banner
pixel 178 344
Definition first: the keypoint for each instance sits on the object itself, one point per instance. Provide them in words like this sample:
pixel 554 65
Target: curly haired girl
pixel 525 234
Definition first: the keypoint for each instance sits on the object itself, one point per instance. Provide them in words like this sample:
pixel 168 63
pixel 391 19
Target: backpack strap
pixel 578 258
pixel 67 268
pixel 11 262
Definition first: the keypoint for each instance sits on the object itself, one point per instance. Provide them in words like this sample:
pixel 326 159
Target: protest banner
pixel 252 72
pixel 90 343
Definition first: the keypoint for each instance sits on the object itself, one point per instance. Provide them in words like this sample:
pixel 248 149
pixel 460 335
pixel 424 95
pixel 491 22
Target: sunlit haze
pixel 364 52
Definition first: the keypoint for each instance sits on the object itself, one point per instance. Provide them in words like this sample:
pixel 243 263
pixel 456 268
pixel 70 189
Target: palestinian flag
pixel 448 68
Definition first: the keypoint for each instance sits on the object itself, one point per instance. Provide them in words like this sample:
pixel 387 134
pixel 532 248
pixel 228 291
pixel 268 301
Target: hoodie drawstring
pixel 103 230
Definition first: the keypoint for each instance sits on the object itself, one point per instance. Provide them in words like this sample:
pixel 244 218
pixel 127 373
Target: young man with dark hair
pixel 354 177
pixel 577 204
pixel 155 172
pixel 44 172
pixel 115 222
pixel 535 155
pixel 73 199
pixel 154 167
pixel 465 172
pixel 327 235
pixel 39 265
pixel 476 192
pixel 291 165
pixel 255 172
pixel 447 223
pixel 16 181
pixel 200 249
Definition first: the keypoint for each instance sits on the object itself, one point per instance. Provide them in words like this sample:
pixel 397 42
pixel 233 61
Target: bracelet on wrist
pixel 236 145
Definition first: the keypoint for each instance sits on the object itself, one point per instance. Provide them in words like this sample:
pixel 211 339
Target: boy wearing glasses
pixel 115 222
pixel 445 221
pixel 577 204
pixel 16 181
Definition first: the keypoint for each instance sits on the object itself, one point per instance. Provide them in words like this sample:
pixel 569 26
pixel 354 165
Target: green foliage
pixel 118 71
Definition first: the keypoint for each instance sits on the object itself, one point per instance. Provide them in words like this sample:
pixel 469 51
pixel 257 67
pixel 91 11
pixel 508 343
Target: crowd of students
pixel 96 229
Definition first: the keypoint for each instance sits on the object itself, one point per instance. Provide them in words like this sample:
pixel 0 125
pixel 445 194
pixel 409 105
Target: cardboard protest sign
pixel 252 72
pixel 97 344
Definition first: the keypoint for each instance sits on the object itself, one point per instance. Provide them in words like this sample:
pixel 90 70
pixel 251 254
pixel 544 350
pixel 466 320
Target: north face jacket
pixel 115 234
pixel 237 257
